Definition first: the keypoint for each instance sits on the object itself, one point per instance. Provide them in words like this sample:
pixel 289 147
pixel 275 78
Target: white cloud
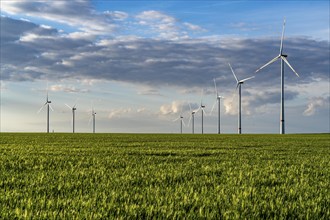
pixel 177 107
pixel 166 26
pixel 315 104
pixel 193 27
pixel 65 88
pixel 118 113
pixel 116 15
pixel 75 13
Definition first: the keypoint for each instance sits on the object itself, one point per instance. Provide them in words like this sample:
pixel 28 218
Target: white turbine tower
pixel 218 100
pixel 283 59
pixel 48 106
pixel 73 108
pixel 238 86
pixel 203 112
pixel 192 119
pixel 93 115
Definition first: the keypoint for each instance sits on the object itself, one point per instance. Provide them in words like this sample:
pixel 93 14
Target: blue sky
pixel 142 63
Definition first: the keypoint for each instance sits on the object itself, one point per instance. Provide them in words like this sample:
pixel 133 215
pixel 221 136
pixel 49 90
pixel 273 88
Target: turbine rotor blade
pixel 215 87
pixel 68 106
pixel 202 97
pixel 189 119
pixel 243 80
pixel 282 38
pixel 197 110
pixel 41 108
pixel 183 123
pixel 204 112
pixel 189 106
pixel 51 107
pixel 237 87
pixel 233 72
pixel 213 107
pixel 270 62
pixel 287 62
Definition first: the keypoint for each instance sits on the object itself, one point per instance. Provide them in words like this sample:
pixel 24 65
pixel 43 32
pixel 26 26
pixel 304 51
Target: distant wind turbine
pixel 73 108
pixel 218 100
pixel 283 59
pixel 203 112
pixel 238 86
pixel 192 119
pixel 93 113
pixel 48 106
pixel 181 122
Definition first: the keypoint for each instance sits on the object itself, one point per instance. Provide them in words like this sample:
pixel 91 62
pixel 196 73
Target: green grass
pixel 125 176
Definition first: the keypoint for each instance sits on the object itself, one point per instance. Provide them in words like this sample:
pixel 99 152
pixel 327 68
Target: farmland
pixel 93 176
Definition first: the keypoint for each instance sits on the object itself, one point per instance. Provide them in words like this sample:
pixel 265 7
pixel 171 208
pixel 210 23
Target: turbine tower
pixel 202 107
pixel 193 122
pixel 203 112
pixel 73 108
pixel 283 60
pixel 238 86
pixel 192 117
pixel 218 100
pixel 48 106
pixel 93 115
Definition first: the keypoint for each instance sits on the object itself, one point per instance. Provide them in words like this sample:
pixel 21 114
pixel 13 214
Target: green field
pixel 125 176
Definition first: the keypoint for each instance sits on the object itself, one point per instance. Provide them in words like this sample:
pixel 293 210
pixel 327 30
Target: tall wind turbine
pixel 48 106
pixel 283 60
pixel 218 100
pixel 73 108
pixel 238 86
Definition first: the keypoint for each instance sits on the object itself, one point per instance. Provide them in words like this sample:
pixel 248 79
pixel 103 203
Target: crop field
pixel 164 176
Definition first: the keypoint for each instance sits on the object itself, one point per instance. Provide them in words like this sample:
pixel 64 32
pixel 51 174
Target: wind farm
pixel 178 114
pixel 201 108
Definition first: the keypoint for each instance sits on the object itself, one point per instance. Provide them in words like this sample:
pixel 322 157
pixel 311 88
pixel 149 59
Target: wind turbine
pixel 192 119
pixel 93 115
pixel 283 59
pixel 181 122
pixel 48 106
pixel 203 112
pixel 218 100
pixel 92 118
pixel 73 108
pixel 238 86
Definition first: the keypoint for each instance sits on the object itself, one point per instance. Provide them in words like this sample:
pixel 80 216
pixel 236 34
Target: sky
pixel 141 64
